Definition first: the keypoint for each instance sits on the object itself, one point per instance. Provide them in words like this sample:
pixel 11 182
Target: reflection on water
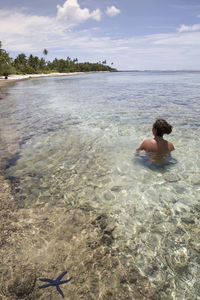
pixel 78 136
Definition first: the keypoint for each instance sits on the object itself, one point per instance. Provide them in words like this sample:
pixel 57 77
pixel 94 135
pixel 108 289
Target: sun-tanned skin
pixel 157 149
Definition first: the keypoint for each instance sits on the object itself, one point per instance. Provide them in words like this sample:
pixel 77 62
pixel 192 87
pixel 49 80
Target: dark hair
pixel 162 127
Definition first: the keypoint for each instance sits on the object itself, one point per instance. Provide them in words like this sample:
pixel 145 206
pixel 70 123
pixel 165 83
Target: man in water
pixel 157 149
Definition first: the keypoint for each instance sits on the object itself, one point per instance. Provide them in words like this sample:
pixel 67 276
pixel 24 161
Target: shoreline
pixel 14 77
pixel 10 81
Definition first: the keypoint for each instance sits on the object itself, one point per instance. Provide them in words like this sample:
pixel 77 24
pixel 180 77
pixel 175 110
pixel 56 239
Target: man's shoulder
pixel 149 141
pixel 171 146
pixel 146 143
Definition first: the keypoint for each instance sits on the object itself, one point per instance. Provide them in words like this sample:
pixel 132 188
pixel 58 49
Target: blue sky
pixel 133 34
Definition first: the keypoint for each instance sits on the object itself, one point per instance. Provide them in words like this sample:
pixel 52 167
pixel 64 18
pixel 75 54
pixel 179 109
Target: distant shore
pixel 4 83
pixel 29 76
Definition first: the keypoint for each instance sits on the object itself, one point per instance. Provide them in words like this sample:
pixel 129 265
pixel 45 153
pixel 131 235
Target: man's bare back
pixel 157 149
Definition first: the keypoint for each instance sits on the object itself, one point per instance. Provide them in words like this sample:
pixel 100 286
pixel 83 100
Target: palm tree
pixel 45 52
pixel 20 62
pixel 68 60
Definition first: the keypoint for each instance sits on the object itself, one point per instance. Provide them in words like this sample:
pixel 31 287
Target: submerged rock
pixel 195 179
pixel 44 241
pixel 171 177
pixel 187 220
pixel 21 281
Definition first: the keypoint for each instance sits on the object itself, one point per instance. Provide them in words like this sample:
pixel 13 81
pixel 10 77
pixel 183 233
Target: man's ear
pixel 154 131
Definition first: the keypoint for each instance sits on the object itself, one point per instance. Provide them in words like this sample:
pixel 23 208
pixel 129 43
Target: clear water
pixel 78 136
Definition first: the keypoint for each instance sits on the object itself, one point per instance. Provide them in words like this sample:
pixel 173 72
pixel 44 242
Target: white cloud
pixel 112 11
pixel 185 28
pixel 184 39
pixel 74 14
pixel 27 33
pixel 21 24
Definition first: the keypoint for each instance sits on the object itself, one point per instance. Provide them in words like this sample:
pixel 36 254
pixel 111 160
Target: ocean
pixel 75 138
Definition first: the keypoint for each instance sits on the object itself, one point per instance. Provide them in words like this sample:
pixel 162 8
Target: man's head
pixel 161 127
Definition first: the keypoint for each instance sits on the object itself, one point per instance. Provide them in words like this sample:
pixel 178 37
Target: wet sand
pixel 43 242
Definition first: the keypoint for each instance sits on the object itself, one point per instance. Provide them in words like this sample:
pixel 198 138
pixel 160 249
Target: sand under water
pixel 44 241
pixel 77 199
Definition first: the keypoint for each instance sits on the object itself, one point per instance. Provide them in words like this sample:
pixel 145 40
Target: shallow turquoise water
pixel 78 136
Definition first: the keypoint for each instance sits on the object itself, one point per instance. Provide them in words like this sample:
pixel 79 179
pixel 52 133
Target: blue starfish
pixel 56 282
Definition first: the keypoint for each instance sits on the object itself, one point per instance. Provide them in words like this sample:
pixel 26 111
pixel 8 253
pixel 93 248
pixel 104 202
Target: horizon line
pixel 158 70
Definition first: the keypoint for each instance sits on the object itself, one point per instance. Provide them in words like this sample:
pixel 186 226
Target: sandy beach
pixel 44 241
pixel 29 76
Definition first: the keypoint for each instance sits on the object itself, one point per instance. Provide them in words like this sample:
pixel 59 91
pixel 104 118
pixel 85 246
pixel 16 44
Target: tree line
pixel 35 65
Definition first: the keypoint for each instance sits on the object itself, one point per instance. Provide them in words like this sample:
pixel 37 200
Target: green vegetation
pixel 6 66
pixel 35 65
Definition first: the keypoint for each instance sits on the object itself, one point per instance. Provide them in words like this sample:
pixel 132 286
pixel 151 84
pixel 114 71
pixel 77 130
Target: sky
pixel 131 34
